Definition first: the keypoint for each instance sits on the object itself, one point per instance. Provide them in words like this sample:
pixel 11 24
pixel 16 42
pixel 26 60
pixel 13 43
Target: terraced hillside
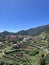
pixel 22 56
pixel 24 49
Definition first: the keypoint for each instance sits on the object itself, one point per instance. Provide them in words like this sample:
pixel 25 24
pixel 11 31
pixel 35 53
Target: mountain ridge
pixel 31 31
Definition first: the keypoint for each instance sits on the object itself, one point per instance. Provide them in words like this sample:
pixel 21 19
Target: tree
pixel 42 60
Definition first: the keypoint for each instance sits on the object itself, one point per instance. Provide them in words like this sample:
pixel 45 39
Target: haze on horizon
pixel 16 15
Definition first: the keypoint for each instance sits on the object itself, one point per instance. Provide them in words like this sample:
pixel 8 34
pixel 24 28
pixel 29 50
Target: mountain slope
pixel 33 31
pixel 5 33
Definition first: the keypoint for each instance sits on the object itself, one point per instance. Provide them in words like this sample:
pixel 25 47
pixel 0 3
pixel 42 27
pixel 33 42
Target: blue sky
pixel 16 15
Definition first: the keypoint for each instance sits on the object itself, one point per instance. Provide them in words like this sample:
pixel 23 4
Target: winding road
pixel 42 48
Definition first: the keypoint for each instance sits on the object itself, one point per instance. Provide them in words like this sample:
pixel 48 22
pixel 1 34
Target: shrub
pixel 32 53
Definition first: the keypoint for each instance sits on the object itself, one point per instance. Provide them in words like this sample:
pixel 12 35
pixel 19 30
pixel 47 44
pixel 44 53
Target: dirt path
pixel 42 48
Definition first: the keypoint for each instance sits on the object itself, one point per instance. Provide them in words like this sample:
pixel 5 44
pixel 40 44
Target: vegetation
pixel 28 49
pixel 33 31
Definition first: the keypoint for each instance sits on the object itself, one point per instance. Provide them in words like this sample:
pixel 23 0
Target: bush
pixel 32 53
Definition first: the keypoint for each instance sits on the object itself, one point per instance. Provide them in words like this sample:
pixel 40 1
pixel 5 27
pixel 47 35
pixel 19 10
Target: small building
pixel 16 46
